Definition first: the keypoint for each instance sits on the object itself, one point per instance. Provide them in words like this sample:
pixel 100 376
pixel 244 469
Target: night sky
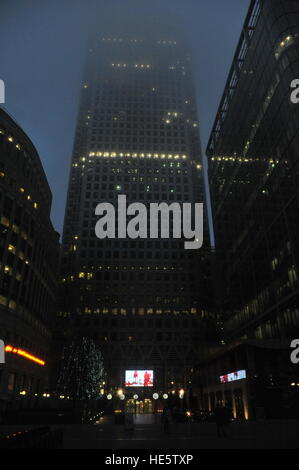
pixel 42 48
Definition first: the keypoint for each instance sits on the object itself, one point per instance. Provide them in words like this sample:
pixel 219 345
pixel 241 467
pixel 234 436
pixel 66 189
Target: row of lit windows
pixel 19 254
pixel 109 39
pixel 139 311
pixel 12 305
pixel 136 66
pixel 90 275
pixel 161 156
pixel 283 45
pixel 11 140
pixel 8 269
pixel 244 160
pixel 15 228
pixel 22 190
pixel 28 197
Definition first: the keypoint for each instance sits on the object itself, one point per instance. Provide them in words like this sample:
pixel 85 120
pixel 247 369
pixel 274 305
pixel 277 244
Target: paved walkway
pixel 148 434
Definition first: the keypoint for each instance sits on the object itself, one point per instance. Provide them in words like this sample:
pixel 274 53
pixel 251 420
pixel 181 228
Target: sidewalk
pixel 149 434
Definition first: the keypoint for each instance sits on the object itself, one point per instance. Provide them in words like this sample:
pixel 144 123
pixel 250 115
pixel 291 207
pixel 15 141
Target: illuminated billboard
pixel 239 375
pixel 139 378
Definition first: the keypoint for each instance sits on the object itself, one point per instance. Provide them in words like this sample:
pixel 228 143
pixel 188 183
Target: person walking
pixel 222 420
pixel 167 418
pixel 129 422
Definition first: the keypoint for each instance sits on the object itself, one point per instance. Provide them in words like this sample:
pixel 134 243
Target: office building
pixel 253 160
pixel 144 301
pixel 28 268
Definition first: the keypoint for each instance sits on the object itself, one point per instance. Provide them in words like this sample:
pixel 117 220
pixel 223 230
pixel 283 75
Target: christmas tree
pixel 81 370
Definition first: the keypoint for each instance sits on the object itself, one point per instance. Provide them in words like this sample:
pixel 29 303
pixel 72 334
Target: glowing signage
pixel 233 376
pixel 139 378
pixel 26 355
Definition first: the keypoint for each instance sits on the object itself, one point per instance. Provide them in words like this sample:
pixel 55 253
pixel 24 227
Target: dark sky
pixel 42 47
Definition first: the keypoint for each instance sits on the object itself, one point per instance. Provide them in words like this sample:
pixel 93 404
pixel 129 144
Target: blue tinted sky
pixel 42 47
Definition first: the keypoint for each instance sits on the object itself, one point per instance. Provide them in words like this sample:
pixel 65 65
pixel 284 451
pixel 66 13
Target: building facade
pixel 143 300
pixel 253 172
pixel 253 176
pixel 28 267
pixel 253 378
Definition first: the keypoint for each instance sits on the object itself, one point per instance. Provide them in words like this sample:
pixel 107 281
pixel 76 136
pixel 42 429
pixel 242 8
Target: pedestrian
pixel 167 418
pixel 129 422
pixel 221 416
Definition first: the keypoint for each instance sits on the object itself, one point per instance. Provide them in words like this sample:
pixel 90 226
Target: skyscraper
pixel 137 134
pixel 253 183
pixel 253 172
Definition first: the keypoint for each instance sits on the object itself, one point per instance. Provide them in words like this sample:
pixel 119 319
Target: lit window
pixel 12 305
pixel 288 41
pixel 3 300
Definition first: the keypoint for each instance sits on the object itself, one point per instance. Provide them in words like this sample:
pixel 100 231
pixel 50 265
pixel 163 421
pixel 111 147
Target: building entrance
pixel 139 406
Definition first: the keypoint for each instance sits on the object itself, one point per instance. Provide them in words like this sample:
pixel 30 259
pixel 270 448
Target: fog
pixel 42 50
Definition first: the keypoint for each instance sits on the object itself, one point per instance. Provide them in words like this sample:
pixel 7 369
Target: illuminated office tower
pixel 253 172
pixel 29 250
pixel 253 175
pixel 137 134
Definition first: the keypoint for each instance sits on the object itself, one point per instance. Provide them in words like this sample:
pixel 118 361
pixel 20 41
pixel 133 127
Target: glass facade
pixel 253 172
